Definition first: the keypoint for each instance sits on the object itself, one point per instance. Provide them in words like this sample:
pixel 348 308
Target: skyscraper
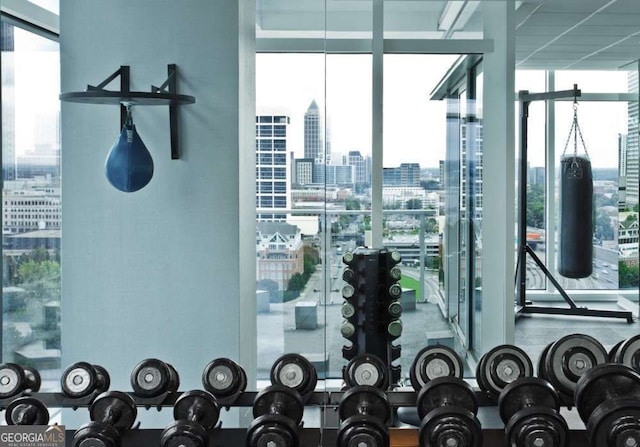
pixel 355 159
pixel 631 162
pixel 8 102
pixel 273 176
pixel 313 133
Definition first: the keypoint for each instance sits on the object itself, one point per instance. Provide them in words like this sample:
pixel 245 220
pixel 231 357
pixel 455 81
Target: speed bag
pixel 575 254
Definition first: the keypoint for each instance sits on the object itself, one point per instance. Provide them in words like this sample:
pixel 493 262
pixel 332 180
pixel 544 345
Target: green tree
pixel 628 275
pixel 636 208
pixel 630 219
pixel 603 228
pixel 431 226
pixel 351 203
pixel 430 185
pixel 413 204
pixel 297 282
pixel 535 206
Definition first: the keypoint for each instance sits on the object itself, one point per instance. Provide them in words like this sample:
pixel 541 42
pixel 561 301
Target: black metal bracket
pixel 166 94
pixel 524 307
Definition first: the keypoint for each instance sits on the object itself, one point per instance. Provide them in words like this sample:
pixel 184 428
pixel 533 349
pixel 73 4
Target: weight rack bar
pixel 318 398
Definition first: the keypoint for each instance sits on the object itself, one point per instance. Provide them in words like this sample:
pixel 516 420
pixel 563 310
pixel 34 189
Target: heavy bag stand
pixel 523 307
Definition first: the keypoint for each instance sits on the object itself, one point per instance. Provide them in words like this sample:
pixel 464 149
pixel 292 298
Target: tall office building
pixel 407 174
pixel 8 102
pixel 313 134
pixel 273 171
pixel 355 159
pixel 622 171
pixel 631 162
pixel 303 171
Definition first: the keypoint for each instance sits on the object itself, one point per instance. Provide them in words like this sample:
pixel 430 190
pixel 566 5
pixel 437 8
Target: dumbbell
pixel 111 413
pixel 194 412
pixel 627 352
pixel 567 359
pixel 364 412
pixel 447 407
pixel 366 369
pixel 530 409
pixel 153 378
pixel 608 401
pixel 433 362
pixel 296 372
pixel 15 379
pixel 81 379
pixel 277 411
pixel 501 366
pixel 614 350
pixel 225 379
pixel 26 411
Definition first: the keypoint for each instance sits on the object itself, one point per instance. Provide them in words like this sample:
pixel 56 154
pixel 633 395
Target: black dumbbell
pixel 530 409
pixel 26 411
pixel 111 413
pixel 568 359
pixel 608 401
pixel 447 407
pixel 225 379
pixel 153 378
pixel 541 372
pixel 277 411
pixel 433 362
pixel 194 412
pixel 15 379
pixel 296 372
pixel 364 412
pixel 628 352
pixel 501 366
pixel 81 379
pixel 366 369
pixel 614 350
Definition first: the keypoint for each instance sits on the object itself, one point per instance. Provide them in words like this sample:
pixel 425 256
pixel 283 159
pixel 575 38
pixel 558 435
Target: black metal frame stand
pixel 525 99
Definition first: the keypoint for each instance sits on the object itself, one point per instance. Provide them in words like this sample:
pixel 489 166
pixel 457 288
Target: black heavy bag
pixel 576 217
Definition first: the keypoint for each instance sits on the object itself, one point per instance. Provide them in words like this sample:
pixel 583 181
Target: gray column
pixel 498 228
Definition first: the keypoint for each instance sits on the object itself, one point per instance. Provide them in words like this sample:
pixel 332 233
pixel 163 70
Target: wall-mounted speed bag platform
pixel 575 255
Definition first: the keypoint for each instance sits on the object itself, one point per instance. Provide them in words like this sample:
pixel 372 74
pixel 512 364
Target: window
pixel 31 197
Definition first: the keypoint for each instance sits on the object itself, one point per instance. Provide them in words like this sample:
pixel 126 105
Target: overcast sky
pixel 414 127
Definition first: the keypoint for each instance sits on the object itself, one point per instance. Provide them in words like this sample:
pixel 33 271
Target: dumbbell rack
pixel 309 437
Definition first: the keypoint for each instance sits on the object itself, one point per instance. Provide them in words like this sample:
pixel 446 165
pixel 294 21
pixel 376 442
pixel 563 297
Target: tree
pixel 351 203
pixel 603 230
pixel 431 226
pixel 430 185
pixel 628 275
pixel 413 204
pixel 297 282
pixel 535 206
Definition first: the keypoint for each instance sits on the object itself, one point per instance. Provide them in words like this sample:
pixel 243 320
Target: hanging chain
pixel 575 131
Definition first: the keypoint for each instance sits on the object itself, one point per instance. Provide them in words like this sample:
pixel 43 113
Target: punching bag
pixel 575 255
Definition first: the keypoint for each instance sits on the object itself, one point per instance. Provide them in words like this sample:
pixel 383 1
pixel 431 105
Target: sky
pixel 414 127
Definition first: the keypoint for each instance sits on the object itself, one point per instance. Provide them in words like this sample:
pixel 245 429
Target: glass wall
pixel 606 112
pixel 31 202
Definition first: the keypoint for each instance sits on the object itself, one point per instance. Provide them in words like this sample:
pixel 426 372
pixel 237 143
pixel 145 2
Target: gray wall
pixel 168 271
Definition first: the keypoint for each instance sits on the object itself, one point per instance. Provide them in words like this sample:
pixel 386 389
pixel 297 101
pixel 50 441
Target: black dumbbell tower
pixel 372 307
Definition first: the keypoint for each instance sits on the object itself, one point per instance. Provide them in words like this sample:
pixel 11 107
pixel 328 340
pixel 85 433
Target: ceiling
pixel 550 34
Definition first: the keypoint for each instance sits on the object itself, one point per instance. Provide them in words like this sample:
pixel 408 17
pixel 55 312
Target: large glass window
pixel 31 202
